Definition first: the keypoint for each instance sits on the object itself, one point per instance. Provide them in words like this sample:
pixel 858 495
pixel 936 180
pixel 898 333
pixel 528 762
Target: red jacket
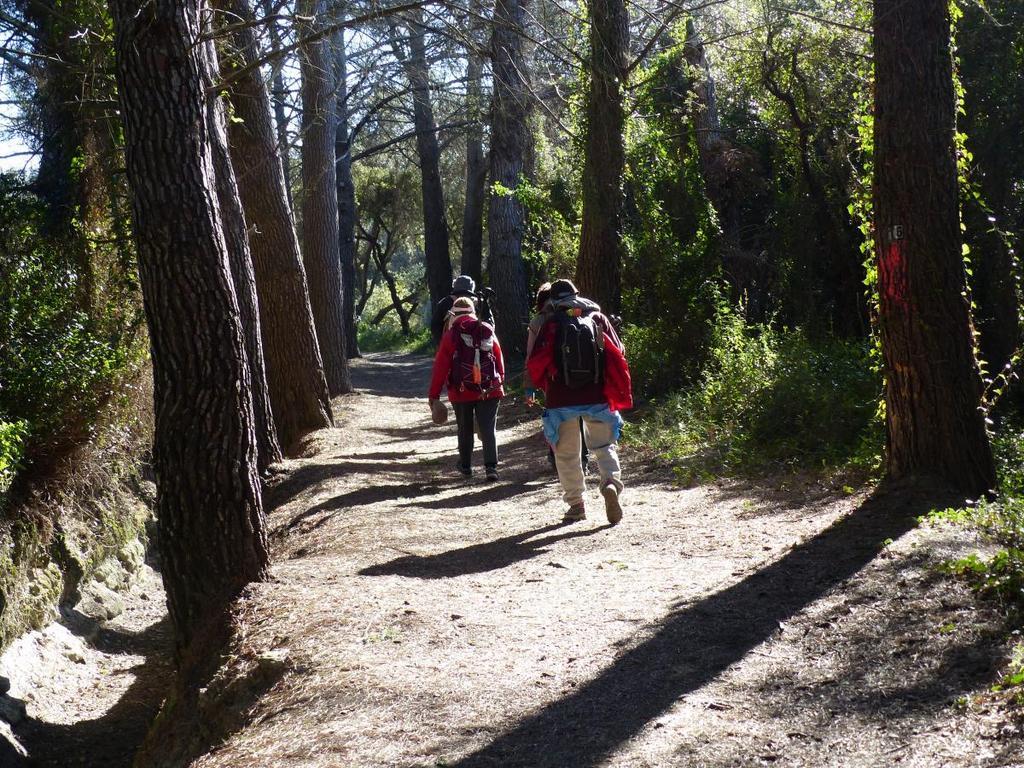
pixel 443 366
pixel 616 391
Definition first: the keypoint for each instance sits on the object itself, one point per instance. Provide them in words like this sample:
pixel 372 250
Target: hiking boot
pixel 612 507
pixel 576 513
pixel 492 474
pixel 464 471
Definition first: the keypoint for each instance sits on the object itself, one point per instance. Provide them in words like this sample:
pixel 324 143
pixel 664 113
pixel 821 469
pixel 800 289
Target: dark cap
pixel 463 284
pixel 563 289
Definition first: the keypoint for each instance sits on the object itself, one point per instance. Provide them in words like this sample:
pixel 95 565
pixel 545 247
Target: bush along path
pixel 418 619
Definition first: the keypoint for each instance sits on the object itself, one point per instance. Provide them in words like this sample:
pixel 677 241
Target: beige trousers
pixel 601 440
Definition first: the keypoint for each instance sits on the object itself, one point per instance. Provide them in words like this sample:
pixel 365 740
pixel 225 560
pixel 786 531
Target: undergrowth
pixel 999 576
pixel 768 398
pixel 385 338
pixel 71 337
pixel 379 328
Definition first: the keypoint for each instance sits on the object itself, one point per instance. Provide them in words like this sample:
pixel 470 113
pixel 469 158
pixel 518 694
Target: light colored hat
pixel 463 306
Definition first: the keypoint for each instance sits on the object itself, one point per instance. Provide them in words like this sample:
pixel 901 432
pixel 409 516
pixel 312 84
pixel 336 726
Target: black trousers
pixel 486 413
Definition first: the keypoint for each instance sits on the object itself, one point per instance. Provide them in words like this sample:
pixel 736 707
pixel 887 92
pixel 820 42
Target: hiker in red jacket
pixel 469 363
pixel 580 363
pixel 542 307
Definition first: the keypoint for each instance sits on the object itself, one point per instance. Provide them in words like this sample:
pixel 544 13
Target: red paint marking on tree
pixel 892 274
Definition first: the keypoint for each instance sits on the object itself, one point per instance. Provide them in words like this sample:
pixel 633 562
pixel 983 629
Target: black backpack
pixel 579 350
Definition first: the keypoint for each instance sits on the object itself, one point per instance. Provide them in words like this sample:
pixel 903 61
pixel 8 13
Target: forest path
pixel 431 621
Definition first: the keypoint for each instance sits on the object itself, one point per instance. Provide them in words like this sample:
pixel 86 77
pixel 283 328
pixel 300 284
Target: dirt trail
pixel 91 690
pixel 424 620
pixel 430 621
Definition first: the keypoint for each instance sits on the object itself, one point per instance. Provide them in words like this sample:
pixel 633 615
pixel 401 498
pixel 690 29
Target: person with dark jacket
pixel 477 402
pixel 463 285
pixel 599 402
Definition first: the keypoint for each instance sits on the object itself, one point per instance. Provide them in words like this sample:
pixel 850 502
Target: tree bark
pixel 346 199
pixel 599 269
pixel 476 162
pixel 268 450
pixel 209 510
pixel 295 374
pixel 435 222
pixel 320 241
pixel 280 101
pixel 932 385
pixel 510 143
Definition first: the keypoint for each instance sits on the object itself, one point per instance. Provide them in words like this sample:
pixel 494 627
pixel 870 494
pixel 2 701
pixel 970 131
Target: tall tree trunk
pixel 346 199
pixel 510 143
pixel 476 162
pixel 295 374
pixel 932 385
pixel 209 509
pixel 320 243
pixel 280 100
pixel 704 112
pixel 435 222
pixel 599 269
pixel 268 450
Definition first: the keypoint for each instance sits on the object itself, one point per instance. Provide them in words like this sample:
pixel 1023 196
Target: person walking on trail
pixel 469 363
pixel 542 306
pixel 462 286
pixel 580 364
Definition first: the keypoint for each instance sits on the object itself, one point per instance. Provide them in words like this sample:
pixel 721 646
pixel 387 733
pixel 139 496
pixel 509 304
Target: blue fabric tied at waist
pixel 553 418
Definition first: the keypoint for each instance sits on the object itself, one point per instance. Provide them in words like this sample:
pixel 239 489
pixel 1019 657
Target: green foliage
pixel 769 397
pixel 672 269
pixel 387 334
pixel 1014 677
pixel 790 96
pixel 65 348
pixel 386 337
pixel 12 446
pixel 551 242
pixel 1001 576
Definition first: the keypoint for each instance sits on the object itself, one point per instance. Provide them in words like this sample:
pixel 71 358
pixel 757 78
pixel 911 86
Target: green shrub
pixel 1001 576
pixel 769 397
pixel 12 446
pixel 69 332
pixel 671 272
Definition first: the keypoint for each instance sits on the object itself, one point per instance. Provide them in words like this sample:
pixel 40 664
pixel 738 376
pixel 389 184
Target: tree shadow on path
pixel 109 741
pixel 360 497
pixel 478 558
pixel 393 374
pixel 693 645
pixel 471 499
